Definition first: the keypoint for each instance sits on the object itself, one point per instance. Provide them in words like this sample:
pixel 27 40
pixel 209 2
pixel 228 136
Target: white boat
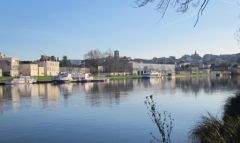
pixel 63 77
pixel 22 80
pixel 87 76
pixel 83 77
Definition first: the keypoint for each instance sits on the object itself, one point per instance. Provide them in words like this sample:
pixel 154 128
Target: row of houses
pixel 123 65
pixel 39 68
pixel 116 65
pixel 50 66
pixel 10 66
pixel 45 66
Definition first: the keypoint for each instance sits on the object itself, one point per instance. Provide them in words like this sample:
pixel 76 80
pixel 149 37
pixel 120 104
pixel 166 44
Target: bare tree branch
pixel 180 5
pixel 163 121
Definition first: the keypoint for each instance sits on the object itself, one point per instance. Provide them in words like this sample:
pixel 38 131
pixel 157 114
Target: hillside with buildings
pixel 196 59
pixel 114 64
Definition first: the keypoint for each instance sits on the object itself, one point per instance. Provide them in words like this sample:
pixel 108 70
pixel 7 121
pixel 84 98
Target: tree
pixel 94 54
pixel 65 62
pixel 93 59
pixel 108 53
pixel 180 5
pixel 237 35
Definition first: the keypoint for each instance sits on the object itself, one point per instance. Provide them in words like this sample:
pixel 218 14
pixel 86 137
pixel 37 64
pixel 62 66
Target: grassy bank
pixel 5 78
pixel 38 78
pixel 112 77
pixel 191 75
pixel 115 77
pixel 43 78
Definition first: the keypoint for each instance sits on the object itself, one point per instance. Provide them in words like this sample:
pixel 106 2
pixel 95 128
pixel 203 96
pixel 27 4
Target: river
pixel 108 112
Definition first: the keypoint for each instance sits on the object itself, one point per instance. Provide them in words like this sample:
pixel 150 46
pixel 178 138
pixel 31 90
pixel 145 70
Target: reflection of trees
pixel 112 92
pixel 225 130
pixel 208 85
pixel 108 92
pixel 11 97
pixel 155 83
pixel 191 84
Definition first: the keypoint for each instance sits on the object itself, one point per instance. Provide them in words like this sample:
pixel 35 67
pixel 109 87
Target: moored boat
pixel 83 77
pixel 22 80
pixel 63 77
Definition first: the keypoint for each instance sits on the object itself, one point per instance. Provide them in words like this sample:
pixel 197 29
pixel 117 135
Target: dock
pixel 73 81
pixel 82 81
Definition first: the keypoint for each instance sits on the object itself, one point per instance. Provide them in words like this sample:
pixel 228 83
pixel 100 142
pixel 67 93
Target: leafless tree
pixel 180 5
pixel 237 36
pixel 108 53
pixel 94 54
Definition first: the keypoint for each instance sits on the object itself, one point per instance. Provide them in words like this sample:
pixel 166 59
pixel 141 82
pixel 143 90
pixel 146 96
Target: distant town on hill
pixel 195 58
pixel 97 62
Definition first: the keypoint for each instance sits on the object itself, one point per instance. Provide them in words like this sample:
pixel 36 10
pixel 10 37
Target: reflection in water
pixel 106 93
pixel 208 85
pixel 46 112
pixel 66 90
pixel 13 96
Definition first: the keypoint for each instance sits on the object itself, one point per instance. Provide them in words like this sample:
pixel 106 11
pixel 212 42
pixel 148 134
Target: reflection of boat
pixel 63 77
pixel 22 80
pixel 146 75
pixel 101 80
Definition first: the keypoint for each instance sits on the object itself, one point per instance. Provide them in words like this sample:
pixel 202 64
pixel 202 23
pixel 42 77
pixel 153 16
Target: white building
pixel 51 68
pixel 1 72
pixel 9 66
pixel 40 71
pixel 28 69
pixel 158 69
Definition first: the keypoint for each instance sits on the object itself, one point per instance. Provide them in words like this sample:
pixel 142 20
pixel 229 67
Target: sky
pixel 30 28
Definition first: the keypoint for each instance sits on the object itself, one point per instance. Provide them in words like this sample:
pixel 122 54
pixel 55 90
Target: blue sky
pixel 30 28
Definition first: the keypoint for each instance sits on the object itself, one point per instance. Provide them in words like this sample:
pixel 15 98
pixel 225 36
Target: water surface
pixel 107 112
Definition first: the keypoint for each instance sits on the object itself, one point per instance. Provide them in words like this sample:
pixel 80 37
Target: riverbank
pixel 43 78
pixel 5 78
pixel 111 77
pixel 191 75
pixel 38 78
pixel 115 77
pixel 49 79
